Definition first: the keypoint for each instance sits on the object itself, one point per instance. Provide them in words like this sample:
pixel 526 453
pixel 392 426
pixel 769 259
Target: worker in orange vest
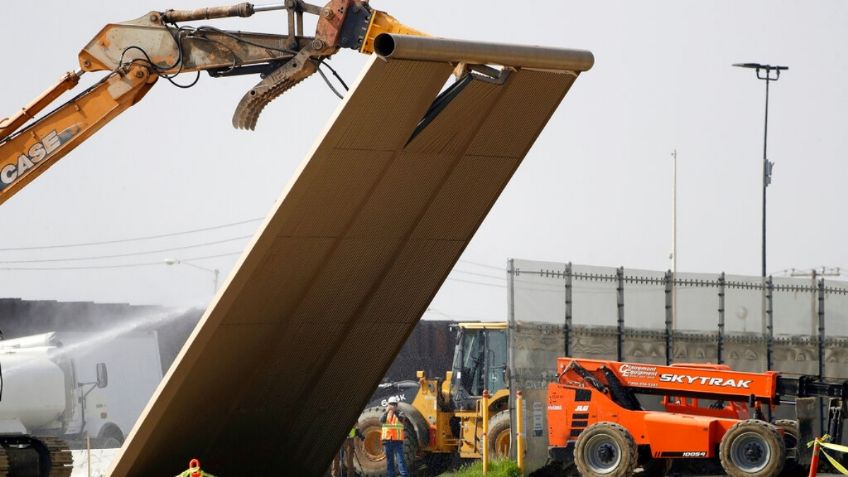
pixel 392 435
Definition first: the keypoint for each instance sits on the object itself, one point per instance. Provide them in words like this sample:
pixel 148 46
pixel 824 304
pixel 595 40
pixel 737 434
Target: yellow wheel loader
pixel 444 417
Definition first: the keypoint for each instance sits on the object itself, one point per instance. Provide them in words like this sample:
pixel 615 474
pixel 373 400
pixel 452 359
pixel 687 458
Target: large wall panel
pixel 281 364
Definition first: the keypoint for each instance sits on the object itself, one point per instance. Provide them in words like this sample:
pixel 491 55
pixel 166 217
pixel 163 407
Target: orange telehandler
pixel 597 420
pixel 139 52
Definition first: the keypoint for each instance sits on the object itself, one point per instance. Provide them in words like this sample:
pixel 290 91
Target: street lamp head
pixel 214 271
pixel 765 69
pixel 747 65
pixel 758 66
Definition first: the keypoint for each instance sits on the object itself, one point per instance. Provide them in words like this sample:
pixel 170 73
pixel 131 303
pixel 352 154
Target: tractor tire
pixel 790 440
pixel 605 449
pixel 499 437
pixel 369 458
pixel 752 448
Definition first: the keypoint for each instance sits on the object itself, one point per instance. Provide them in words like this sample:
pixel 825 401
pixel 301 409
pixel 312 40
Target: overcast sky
pixel 595 189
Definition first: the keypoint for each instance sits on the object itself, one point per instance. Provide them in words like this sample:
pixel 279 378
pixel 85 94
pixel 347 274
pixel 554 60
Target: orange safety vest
pixel 392 429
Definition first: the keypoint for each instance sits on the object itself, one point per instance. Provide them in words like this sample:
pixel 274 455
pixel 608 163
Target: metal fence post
pixel 720 341
pixel 821 327
pixel 822 418
pixel 619 275
pixel 510 375
pixel 669 317
pixel 568 310
pixel 484 407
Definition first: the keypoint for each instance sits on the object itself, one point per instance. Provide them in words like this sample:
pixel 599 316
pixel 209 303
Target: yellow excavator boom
pixel 138 52
pixel 28 153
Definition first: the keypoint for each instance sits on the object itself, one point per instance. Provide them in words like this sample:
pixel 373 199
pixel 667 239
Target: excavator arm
pixel 135 54
pixel 27 154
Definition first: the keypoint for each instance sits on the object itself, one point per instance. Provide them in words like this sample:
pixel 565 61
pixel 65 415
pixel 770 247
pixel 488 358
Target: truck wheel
pixel 790 440
pixel 499 437
pixel 605 449
pixel 369 457
pixel 109 437
pixel 752 448
pixel 110 443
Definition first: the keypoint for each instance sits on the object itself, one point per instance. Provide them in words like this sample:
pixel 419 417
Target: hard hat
pixel 393 400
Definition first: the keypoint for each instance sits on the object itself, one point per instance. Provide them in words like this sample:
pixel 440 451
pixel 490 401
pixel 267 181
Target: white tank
pixel 33 388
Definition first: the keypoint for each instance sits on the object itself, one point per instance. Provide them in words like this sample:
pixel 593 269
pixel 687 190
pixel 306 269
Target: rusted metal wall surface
pixel 278 368
pixel 28 317
pixel 429 348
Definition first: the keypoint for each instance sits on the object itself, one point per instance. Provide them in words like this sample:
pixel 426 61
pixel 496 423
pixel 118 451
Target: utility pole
pixel 674 241
pixel 768 77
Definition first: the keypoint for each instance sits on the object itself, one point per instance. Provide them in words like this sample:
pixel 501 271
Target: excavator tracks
pixel 4 463
pixel 29 456
pixel 61 459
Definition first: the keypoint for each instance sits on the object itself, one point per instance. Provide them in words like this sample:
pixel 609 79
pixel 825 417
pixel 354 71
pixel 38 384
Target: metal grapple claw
pixel 276 83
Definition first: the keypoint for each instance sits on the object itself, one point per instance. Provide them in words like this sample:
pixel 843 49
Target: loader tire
pixel 605 449
pixel 499 438
pixel 369 458
pixel 752 448
pixel 790 440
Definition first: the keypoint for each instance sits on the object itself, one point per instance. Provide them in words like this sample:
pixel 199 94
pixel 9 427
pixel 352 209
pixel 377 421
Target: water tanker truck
pixel 43 406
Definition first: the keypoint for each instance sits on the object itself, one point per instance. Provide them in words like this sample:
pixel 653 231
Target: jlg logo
pixel 706 380
pixel 581 409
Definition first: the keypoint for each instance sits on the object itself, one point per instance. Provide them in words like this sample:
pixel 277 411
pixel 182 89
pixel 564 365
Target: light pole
pixel 768 77
pixel 214 271
pixel 674 242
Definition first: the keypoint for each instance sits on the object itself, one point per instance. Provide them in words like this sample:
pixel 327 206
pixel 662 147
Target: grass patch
pixel 497 468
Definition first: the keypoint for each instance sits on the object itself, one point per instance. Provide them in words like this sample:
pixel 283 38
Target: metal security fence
pixel 674 306
pixel 796 326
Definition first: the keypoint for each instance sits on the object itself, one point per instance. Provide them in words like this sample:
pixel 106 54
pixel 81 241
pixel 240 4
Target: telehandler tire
pixel 605 449
pixel 369 458
pixel 499 438
pixel 791 435
pixel 752 448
